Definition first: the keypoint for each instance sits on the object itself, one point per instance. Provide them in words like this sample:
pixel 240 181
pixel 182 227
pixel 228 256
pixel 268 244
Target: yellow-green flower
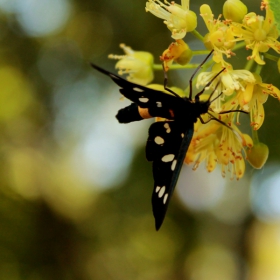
pixel 215 144
pixel 137 64
pixel 177 51
pixel 259 33
pixel 227 82
pixel 220 36
pixel 253 97
pixel 179 19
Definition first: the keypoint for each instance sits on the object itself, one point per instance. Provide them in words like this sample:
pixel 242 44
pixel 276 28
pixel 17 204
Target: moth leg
pixel 203 121
pixel 165 83
pixel 208 84
pixel 213 118
pixel 231 111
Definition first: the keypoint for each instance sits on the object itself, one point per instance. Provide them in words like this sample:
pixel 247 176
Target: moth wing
pixel 158 102
pixel 167 145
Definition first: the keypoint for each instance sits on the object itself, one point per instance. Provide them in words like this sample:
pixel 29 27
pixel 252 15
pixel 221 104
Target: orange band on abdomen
pixel 144 113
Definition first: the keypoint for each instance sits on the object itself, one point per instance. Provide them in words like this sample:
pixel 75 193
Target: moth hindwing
pixel 168 140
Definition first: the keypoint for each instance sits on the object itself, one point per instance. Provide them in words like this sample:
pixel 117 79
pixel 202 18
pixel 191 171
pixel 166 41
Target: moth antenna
pixel 165 83
pixel 196 70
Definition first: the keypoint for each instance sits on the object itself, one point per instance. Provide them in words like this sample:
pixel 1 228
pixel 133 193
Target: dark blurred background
pixel 75 186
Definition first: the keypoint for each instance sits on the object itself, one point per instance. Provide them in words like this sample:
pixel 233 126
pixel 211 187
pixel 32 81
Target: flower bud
pixel 258 155
pixel 185 57
pixel 234 10
pixel 179 52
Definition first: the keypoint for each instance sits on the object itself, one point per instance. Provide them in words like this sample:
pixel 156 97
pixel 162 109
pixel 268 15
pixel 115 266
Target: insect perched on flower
pixel 169 139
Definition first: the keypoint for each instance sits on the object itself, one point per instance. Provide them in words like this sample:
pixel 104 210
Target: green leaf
pixel 275 7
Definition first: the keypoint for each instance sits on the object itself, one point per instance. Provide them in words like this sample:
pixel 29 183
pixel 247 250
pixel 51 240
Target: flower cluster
pixel 235 90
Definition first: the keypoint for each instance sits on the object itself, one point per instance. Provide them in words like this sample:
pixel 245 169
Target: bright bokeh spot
pixel 235 193
pixel 265 193
pixel 85 122
pixel 200 190
pixel 103 162
pixel 8 6
pixel 42 17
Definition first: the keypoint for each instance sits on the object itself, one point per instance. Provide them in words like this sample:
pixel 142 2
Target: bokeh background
pixel 75 186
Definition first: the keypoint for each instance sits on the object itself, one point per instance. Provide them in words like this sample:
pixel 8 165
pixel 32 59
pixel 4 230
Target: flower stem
pixel 258 69
pixel 239 46
pixel 271 57
pixel 157 67
pixel 201 52
pixel 249 64
pixel 197 35
pixel 255 136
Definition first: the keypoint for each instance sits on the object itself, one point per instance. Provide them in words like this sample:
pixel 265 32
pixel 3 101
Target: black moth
pixel 168 140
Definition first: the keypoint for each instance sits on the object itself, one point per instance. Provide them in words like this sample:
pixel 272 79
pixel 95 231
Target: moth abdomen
pixel 133 113
pixel 129 114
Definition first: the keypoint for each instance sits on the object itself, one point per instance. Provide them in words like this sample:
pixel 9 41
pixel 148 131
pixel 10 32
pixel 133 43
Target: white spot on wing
pixel 159 140
pixel 168 158
pixel 167 127
pixel 157 188
pixel 173 165
pixel 159 104
pixel 161 192
pixel 114 77
pixel 182 135
pixel 165 198
pixel 143 99
pixel 138 89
